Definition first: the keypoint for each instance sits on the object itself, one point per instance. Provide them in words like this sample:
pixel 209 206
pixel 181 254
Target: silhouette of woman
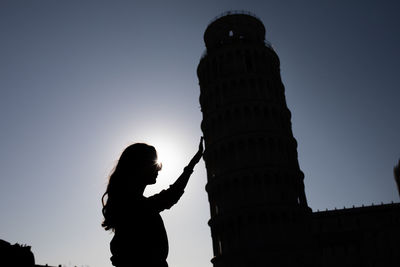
pixel 140 238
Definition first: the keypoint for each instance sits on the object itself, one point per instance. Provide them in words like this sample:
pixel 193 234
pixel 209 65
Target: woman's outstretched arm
pixel 167 198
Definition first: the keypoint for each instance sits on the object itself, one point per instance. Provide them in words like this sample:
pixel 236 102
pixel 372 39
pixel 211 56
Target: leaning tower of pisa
pixel 254 183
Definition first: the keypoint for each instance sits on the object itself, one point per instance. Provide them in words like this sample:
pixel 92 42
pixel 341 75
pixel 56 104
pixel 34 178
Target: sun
pixel 174 146
pixel 170 153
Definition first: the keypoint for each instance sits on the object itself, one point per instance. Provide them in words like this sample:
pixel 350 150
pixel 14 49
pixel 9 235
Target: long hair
pixel 127 174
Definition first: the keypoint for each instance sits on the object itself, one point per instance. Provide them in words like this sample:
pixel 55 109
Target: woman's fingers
pixel 201 144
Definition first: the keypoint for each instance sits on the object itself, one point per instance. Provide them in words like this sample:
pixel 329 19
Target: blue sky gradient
pixel 81 80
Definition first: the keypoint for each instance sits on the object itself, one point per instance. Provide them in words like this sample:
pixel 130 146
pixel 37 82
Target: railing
pixel 234 12
pixel 266 43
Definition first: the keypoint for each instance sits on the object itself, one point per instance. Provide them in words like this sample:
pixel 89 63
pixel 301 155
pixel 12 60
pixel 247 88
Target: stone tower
pixel 255 186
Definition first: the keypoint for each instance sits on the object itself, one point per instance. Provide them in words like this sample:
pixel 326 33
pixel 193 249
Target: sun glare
pixel 173 149
pixel 171 154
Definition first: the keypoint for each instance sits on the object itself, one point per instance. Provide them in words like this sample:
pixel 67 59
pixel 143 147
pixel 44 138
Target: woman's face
pixel 151 171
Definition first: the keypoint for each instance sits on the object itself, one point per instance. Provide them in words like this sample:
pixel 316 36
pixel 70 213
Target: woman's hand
pixel 396 171
pixel 197 156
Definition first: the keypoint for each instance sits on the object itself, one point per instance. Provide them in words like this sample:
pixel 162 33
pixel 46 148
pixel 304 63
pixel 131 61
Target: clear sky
pixel 81 80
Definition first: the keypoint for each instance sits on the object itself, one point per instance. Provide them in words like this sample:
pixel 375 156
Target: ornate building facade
pixel 259 210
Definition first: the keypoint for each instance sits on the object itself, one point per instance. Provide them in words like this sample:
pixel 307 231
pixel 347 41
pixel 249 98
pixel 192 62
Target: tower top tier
pixel 234 26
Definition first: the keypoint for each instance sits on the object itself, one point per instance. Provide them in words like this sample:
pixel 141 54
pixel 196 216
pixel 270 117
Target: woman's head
pixel 136 168
pixel 138 164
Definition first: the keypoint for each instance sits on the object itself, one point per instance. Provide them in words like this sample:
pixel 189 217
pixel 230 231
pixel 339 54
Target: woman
pixel 140 238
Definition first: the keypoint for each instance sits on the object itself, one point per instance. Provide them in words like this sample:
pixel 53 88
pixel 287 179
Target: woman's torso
pixel 140 239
